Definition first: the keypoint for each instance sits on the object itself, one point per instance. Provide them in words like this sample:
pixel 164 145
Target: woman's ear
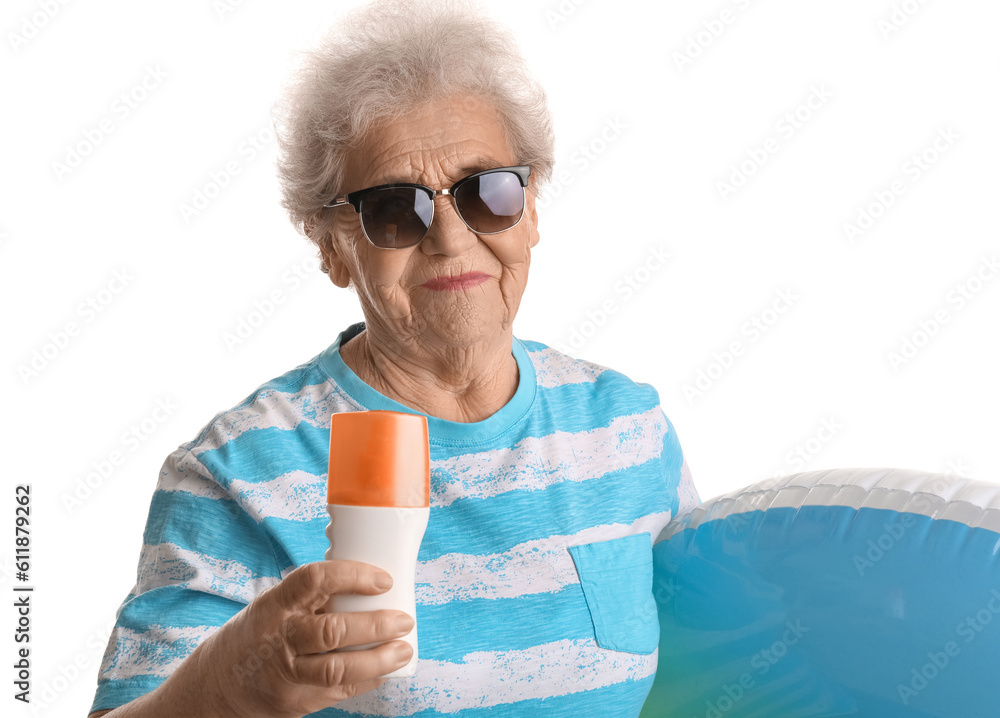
pixel 336 267
pixel 531 214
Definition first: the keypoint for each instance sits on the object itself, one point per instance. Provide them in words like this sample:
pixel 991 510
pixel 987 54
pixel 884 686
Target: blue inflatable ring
pixel 850 592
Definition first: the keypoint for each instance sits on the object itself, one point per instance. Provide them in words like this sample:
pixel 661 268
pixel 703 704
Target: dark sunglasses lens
pixel 492 202
pixel 396 217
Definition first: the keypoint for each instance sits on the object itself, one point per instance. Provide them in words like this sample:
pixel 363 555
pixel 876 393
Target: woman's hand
pixel 269 660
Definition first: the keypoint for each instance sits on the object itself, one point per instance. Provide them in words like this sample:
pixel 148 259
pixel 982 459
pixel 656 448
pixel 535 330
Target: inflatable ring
pixel 849 592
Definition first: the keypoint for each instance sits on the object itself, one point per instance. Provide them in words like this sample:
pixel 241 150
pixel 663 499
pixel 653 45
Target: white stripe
pixel 553 368
pixel 157 651
pixel 491 678
pixel 168 564
pixel 938 496
pixel 273 409
pixel 315 403
pixel 687 493
pixel 296 496
pixel 536 463
pixel 539 566
pixel 183 472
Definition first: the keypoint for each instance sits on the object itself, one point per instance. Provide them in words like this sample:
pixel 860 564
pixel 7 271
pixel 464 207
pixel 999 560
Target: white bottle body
pixel 389 538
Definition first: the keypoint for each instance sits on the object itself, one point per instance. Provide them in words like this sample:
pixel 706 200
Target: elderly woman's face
pixel 455 288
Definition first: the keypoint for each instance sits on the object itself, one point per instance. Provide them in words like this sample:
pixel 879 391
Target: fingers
pixel 356 689
pixel 310 586
pixel 327 631
pixel 329 670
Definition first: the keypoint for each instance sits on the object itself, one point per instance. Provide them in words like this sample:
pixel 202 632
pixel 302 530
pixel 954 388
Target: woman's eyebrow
pixel 477 164
pixel 471 166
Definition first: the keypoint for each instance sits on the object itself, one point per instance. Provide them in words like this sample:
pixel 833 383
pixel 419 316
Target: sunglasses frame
pixel 354 199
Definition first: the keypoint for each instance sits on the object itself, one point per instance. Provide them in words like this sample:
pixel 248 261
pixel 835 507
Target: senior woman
pixel 412 146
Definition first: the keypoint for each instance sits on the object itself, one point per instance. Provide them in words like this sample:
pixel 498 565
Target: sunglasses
pixel 398 215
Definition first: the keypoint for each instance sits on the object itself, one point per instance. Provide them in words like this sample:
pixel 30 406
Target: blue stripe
pixel 218 528
pixel 502 624
pixel 490 525
pixel 186 609
pixel 560 407
pixel 306 447
pixel 291 382
pixel 263 454
pixel 295 380
pixel 620 700
pixel 493 524
pixel 302 541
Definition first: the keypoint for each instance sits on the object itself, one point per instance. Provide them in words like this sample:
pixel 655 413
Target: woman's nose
pixel 448 234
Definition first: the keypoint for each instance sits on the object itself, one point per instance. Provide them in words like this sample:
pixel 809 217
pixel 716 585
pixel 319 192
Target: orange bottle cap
pixel 379 458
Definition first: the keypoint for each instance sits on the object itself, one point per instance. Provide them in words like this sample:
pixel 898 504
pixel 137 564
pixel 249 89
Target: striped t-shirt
pixel 535 585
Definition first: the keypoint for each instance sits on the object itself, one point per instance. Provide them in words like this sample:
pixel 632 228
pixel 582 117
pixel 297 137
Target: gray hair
pixel 381 61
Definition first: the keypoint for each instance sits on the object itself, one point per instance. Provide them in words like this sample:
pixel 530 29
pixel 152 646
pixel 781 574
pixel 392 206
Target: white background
pixel 652 184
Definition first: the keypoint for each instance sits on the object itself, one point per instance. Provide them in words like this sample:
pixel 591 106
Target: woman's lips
pixel 461 281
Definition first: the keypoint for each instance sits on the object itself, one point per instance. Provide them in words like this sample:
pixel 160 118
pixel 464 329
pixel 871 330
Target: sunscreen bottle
pixel 378 497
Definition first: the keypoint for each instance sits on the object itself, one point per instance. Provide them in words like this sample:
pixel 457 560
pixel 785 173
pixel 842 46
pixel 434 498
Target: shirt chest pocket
pixel 617 581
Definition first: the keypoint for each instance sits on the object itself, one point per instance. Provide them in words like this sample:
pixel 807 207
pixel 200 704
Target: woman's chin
pixel 465 330
pixel 461 319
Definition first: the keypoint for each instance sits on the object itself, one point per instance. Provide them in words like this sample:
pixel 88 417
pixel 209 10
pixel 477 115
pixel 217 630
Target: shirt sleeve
pixel 203 559
pixel 678 476
pixel 677 473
